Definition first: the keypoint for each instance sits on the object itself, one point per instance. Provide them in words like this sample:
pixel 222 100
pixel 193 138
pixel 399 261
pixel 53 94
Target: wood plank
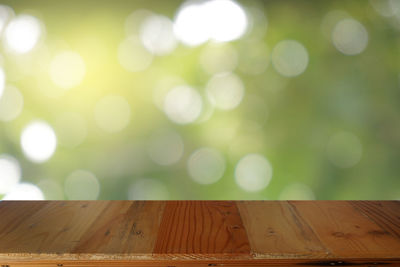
pixel 386 214
pixel 346 232
pixel 277 230
pixel 123 227
pixel 12 215
pixel 198 228
pixel 199 233
pixel 54 228
pixel 208 263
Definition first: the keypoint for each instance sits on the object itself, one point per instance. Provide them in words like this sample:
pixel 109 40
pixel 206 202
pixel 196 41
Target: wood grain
pixel 346 232
pixel 208 263
pixel 277 230
pixel 386 214
pixel 56 227
pixel 202 228
pixel 123 227
pixel 199 233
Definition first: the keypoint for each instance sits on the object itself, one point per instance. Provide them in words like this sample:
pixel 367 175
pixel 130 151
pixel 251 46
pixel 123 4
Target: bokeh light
pixel 24 191
pixel 38 141
pixel 82 185
pixel 257 21
pixel 157 35
pixel 67 69
pixel 225 90
pixel 350 37
pixel 112 113
pixel 6 13
pixel 162 87
pixel 384 7
pixel 289 58
pixel 183 104
pixel 226 20
pixel 11 103
pixel 218 20
pixel 2 81
pixel 199 99
pixel 22 33
pixel 330 20
pixel 253 172
pixel 134 20
pixel 10 173
pixel 133 56
pixel 206 165
pixel 189 25
pixel 344 149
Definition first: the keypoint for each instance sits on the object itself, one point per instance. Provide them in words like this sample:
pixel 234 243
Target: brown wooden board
pixel 346 232
pixel 202 228
pixel 277 230
pixel 199 233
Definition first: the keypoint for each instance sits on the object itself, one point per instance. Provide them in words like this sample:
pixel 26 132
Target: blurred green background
pixel 199 99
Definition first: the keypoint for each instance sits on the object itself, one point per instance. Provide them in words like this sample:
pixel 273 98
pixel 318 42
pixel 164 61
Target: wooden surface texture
pixel 199 233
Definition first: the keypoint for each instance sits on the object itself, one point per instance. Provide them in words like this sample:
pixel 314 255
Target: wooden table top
pixel 199 233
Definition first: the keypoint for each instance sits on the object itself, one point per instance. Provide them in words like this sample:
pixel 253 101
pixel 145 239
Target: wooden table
pixel 199 233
